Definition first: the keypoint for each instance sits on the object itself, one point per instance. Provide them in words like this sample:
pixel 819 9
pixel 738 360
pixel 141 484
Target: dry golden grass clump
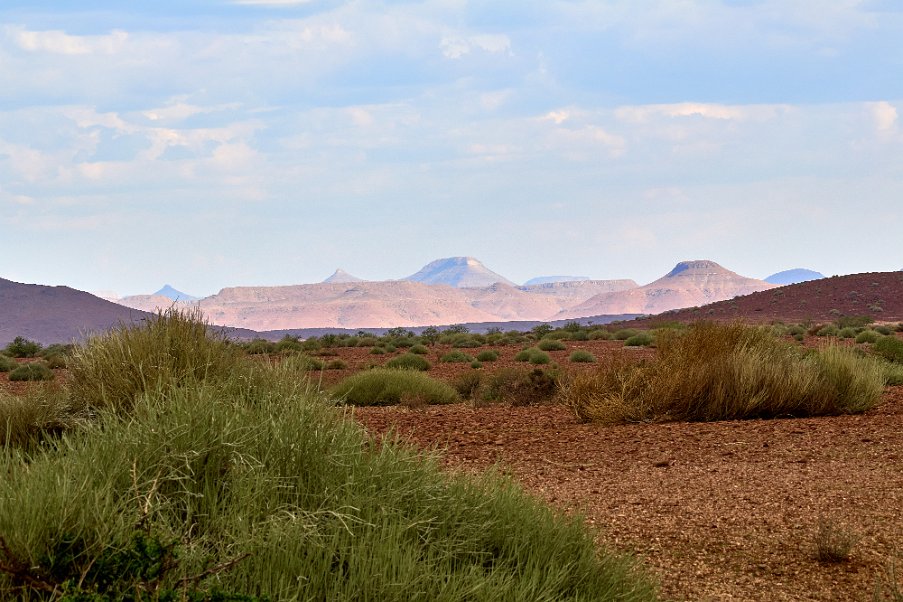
pixel 723 372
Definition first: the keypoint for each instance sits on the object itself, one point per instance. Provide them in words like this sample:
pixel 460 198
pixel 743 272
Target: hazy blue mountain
pixel 551 279
pixel 794 276
pixel 459 272
pixel 171 293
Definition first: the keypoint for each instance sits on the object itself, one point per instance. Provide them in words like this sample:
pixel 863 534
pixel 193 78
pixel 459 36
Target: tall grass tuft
pixel 387 386
pixel 29 419
pixel 723 372
pixel 169 350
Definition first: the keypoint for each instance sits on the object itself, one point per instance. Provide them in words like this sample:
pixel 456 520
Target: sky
pixel 217 143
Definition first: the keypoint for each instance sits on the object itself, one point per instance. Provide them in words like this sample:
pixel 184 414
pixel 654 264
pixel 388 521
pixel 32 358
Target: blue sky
pixel 212 143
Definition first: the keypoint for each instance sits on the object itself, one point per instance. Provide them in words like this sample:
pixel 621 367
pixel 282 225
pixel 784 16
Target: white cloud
pixel 59 42
pixel 454 47
pixel 642 113
pixel 271 2
pixel 884 115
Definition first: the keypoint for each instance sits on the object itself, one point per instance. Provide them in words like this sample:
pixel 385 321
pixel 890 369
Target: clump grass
pixel 488 355
pixel 26 420
pixel 520 386
pixel 722 372
pixel 172 349
pixel 890 348
pixel 386 386
pixel 419 349
pixel 31 371
pixel 551 345
pixel 7 363
pixel 532 355
pixel 641 339
pixel 456 357
pixel 833 543
pixel 582 356
pixel 468 384
pixel 409 361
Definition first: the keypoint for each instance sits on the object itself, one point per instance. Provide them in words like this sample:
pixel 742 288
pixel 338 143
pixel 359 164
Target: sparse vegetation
pixel 467 384
pixel 833 543
pixel 519 386
pixel 719 372
pixel 582 356
pixel 532 355
pixel 385 386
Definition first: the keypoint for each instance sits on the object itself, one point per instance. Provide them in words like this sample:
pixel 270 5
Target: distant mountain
pixel 174 295
pixel 551 279
pixel 794 276
pixel 689 284
pixel 458 272
pixel 56 314
pixel 341 276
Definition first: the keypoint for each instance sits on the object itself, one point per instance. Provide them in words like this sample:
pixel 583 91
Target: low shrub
pixel 409 361
pixel 299 362
pixel 385 386
pixel 488 355
pixel 641 339
pixel 31 371
pixel 476 365
pixel 721 372
pixel 624 334
pixel 390 348
pixel 419 350
pixel 796 329
pixel 289 344
pixel 456 357
pixel 551 345
pixel 467 384
pixel 834 543
pixel 377 351
pixel 867 336
pixel 7 363
pixel 520 386
pixel 853 321
pixel 890 348
pixel 22 347
pixel 847 333
pixel 532 355
pixel 582 356
pixel 602 335
pixel 883 330
pixel 336 365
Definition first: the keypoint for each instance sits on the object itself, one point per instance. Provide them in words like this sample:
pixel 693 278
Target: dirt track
pixel 719 511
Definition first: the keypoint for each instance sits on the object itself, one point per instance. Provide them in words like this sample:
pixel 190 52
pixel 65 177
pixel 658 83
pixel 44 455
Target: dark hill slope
pixel 875 294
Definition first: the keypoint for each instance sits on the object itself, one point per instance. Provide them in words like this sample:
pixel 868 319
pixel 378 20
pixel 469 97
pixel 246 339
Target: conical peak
pixel 341 276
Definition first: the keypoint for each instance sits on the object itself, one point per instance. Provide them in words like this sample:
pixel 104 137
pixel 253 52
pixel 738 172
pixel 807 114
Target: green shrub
pixel 476 365
pixel 853 321
pixel 419 350
pixel 7 363
pixel 367 341
pixel 466 342
pixel 458 357
pixel 551 345
pixel 867 336
pixel 883 330
pixel 28 419
pixel 582 356
pixel 409 361
pixel 169 350
pixel 467 384
pixel 890 348
pixel 289 344
pixel 721 372
pixel 641 339
pixel 602 335
pixel 22 347
pixel 300 362
pixel 31 371
pixel 624 334
pixel 520 386
pixel 795 330
pixel 532 355
pixel 827 331
pixel 55 361
pixel 377 351
pixel 336 365
pixel 386 386
pixel 260 347
pixel 488 355
pixel 847 333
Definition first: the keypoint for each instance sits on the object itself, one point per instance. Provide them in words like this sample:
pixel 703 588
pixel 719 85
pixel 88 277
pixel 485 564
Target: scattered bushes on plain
pixel 720 372
pixel 532 355
pixel 385 386
pixel 409 361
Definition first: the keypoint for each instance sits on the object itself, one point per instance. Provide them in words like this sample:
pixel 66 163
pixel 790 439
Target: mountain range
pixel 456 290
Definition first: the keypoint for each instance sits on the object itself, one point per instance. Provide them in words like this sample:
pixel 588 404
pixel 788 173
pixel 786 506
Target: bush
pixel 456 357
pixel 169 350
pixel 890 348
pixel 386 386
pixel 300 362
pixel 7 363
pixel 827 331
pixel 602 335
pixel 532 355
pixel 409 361
pixel 22 347
pixel 467 384
pixel 419 350
pixel 723 372
pixel 853 321
pixel 31 371
pixel 833 543
pixel 260 347
pixel 488 355
pixel 883 330
pixel 582 356
pixel 377 351
pixel 476 365
pixel 867 336
pixel 641 339
pixel 520 387
pixel 847 333
pixel 336 365
pixel 230 489
pixel 289 344
pixel 551 345
pixel 624 334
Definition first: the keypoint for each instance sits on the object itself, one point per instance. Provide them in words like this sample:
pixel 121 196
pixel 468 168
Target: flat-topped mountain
pixel 689 284
pixel 794 276
pixel 551 279
pixel 340 276
pixel 56 314
pixel 459 272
